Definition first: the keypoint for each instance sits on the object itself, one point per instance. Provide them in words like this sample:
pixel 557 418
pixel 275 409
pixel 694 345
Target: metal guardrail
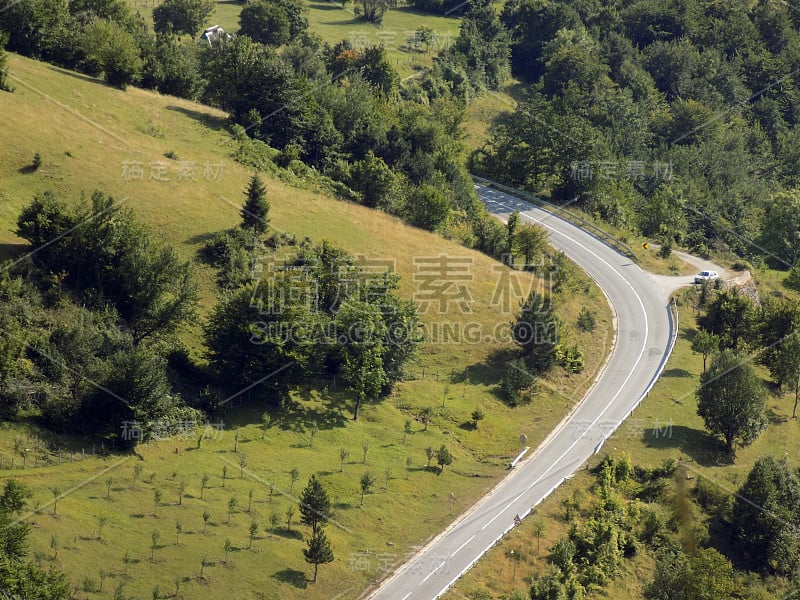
pixel 558 211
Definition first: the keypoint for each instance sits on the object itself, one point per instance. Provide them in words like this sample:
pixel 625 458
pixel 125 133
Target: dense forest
pixel 677 119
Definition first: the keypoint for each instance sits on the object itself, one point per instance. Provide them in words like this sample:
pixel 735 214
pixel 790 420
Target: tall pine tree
pixel 255 212
pixel 319 550
pixel 315 505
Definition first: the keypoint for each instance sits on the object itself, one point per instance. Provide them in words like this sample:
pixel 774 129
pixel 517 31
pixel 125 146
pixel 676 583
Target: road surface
pixel 643 343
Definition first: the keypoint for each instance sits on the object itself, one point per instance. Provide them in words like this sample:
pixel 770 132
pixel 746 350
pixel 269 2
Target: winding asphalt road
pixel 644 331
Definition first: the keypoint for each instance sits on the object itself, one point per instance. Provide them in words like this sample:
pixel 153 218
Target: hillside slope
pixel 94 137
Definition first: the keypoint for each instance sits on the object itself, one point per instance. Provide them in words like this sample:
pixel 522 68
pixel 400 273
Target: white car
pixel 705 276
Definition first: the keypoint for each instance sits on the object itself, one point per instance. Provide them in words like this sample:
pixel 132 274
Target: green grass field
pixel 90 136
pixel 665 425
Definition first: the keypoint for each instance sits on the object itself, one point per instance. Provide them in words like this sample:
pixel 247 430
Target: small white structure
pixel 214 33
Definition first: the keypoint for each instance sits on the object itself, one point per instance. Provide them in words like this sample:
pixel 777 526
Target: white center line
pixel 429 575
pixel 464 544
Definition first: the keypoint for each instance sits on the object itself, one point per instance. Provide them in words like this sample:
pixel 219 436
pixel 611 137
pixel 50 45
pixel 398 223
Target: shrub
pixel 586 320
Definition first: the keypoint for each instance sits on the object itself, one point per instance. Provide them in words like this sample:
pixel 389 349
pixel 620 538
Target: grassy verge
pixel 90 136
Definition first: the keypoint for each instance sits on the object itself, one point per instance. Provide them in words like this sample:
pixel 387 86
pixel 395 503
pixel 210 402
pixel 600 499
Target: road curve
pixel 644 330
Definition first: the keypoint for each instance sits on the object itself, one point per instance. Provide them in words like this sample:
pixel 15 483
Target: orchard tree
pixel 705 343
pixel 366 483
pixel 443 458
pixel 731 400
pixel 318 551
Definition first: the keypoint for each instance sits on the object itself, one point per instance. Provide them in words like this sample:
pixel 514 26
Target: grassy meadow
pixel 94 137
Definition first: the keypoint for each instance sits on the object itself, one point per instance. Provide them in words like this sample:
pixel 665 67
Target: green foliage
pixel 730 400
pixel 427 207
pixel 477 415
pixel 319 550
pixel 115 260
pixel 265 22
pixel 111 50
pixel 371 11
pixel 315 505
pixel 705 576
pixel 517 380
pixel 765 515
pixel 17 576
pixel 792 279
pixel 586 319
pixel 536 332
pixel 321 310
pixel 731 317
pixel 705 343
pixel 570 357
pixel 443 458
pixel 4 85
pixel 255 212
pixel 366 482
pixel 781 229
pixel 181 16
pixel 171 67
pixel 531 241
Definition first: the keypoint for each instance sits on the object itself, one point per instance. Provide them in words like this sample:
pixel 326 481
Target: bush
pixel 37 162
pixel 792 280
pixel 742 265
pixel 517 378
pixel 586 320
pixel 570 357
pixel 712 498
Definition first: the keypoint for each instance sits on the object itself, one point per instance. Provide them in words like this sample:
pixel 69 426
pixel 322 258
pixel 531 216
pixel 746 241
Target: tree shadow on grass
pixel 294 534
pixel 775 418
pixel 701 447
pixel 293 577
pixel 676 373
pixel 210 121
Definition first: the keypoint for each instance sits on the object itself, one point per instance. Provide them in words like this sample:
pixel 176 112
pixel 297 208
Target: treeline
pixel 338 110
pixel 89 318
pixel 676 119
